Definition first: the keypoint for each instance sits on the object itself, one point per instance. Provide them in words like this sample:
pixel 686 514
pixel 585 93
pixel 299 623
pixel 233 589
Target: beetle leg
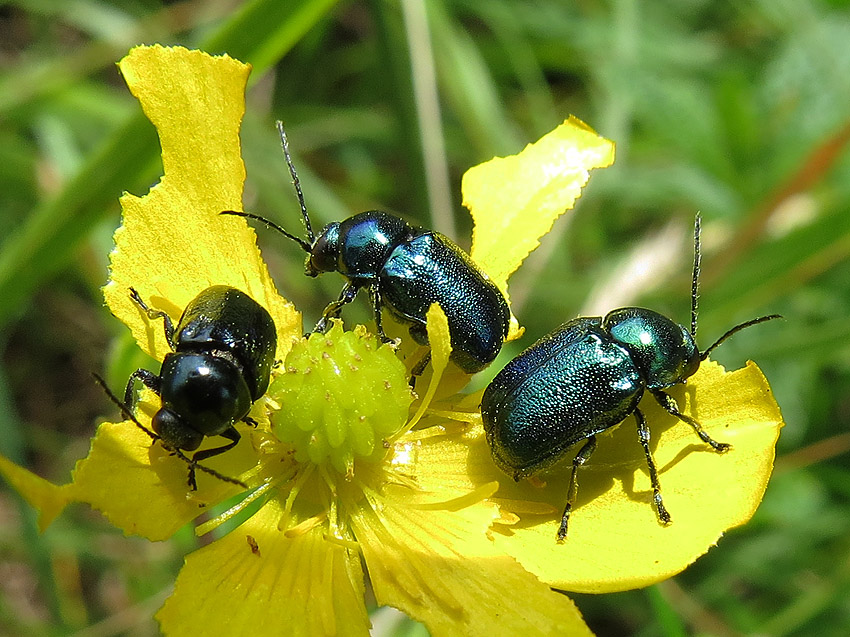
pixel 670 406
pixel 334 308
pixel 375 298
pixel 231 434
pixel 643 436
pixel 155 314
pixel 581 457
pixel 149 380
pixel 420 366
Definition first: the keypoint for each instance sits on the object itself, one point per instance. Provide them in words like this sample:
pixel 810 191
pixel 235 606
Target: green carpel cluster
pixel 341 396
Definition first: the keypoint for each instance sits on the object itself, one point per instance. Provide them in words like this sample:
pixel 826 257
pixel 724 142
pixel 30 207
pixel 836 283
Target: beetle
pixel 405 269
pixel 587 376
pixel 224 347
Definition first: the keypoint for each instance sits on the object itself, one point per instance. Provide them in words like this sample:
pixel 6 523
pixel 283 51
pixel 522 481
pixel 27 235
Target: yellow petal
pixel 173 243
pixel 515 200
pixel 615 542
pixel 47 498
pixel 258 581
pixel 438 567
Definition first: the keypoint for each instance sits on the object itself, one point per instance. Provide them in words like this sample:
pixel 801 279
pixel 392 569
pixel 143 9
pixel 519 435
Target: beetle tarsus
pixel 565 519
pixel 153 315
pixel 670 406
pixel 643 436
pixel 572 492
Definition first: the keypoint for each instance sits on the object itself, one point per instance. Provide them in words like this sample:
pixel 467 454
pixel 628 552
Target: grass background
pixel 740 110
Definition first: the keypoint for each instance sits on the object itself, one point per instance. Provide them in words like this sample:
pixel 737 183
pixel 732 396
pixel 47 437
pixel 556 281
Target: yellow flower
pixel 336 479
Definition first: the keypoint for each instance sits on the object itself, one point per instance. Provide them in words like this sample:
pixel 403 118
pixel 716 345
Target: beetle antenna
pixel 154 437
pixel 269 224
pixel 311 237
pixel 295 181
pixel 124 410
pixel 737 329
pixel 695 279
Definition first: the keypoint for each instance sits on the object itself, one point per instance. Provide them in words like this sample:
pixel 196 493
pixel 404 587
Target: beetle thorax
pixel 366 241
pixel 663 351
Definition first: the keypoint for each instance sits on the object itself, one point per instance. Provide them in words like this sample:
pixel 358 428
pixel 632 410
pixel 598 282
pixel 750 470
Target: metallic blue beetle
pixel 587 376
pixel 405 269
pixel 224 347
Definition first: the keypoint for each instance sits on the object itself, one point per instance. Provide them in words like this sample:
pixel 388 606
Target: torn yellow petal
pixel 439 567
pixel 258 580
pixel 116 478
pixel 47 498
pixel 615 541
pixel 515 200
pixel 173 243
pixel 141 488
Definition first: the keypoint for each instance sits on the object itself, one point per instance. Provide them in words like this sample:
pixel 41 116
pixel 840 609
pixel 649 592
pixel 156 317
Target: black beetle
pixel 224 347
pixel 405 269
pixel 587 376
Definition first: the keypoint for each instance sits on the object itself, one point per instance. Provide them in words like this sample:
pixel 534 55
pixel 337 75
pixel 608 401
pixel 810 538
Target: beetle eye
pixel 690 355
pixel 325 252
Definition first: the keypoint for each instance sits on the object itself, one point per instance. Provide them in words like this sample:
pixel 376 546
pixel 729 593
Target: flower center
pixel 341 395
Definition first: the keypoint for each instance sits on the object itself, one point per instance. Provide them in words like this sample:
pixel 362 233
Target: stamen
pixel 293 493
pixel 306 526
pixel 438 335
pixel 506 518
pixel 471 417
pixel 461 502
pixel 214 523
pixel 348 544
pixel 528 507
pixel 438 367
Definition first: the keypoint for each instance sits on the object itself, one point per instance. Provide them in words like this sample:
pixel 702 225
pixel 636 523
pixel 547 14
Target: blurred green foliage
pixel 740 110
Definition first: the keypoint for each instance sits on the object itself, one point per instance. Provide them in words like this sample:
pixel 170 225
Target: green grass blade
pixel 47 241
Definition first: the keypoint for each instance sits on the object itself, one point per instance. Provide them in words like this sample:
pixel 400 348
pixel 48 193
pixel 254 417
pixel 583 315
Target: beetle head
pixel 324 255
